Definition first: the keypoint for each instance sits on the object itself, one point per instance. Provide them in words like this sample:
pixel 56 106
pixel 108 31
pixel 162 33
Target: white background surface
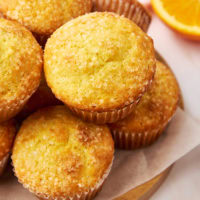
pixel 184 180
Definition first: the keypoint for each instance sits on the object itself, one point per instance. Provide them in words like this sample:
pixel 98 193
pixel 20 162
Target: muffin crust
pixel 20 67
pixel 99 62
pixel 57 155
pixel 44 16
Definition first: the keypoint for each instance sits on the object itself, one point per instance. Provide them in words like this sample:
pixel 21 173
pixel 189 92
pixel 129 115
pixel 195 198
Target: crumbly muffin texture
pixel 156 107
pixel 7 134
pixel 57 155
pixel 44 16
pixel 20 64
pixel 99 61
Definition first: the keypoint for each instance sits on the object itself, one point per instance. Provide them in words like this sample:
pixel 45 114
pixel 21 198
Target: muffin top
pixel 56 154
pixel 20 63
pixel 44 16
pixel 156 107
pixel 99 61
pixel 7 133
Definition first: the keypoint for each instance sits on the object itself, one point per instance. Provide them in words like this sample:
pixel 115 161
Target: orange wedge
pixel 181 15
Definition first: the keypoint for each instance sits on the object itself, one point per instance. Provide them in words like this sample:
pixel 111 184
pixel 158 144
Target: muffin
pixel 131 9
pixel 20 67
pixel 43 97
pixel 7 134
pixel 58 156
pixel 45 16
pixel 150 117
pixel 99 64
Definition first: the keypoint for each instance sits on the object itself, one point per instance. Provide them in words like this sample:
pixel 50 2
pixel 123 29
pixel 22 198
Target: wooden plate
pixel 146 190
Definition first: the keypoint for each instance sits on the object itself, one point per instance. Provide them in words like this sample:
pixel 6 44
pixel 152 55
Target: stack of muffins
pixel 105 88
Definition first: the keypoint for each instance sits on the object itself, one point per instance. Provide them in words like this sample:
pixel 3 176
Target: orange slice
pixel 181 15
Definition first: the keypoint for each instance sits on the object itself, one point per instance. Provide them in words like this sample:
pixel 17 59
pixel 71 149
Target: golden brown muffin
pixel 7 134
pixel 99 64
pixel 58 156
pixel 44 16
pixel 43 97
pixel 131 9
pixel 20 67
pixel 152 114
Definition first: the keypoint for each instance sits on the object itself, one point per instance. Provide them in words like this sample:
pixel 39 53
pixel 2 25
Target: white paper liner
pixel 104 117
pixel 130 140
pixel 88 195
pixel 131 9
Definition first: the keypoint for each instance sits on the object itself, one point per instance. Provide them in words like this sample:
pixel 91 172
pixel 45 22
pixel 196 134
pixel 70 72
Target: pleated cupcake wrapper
pixel 130 140
pixel 85 196
pixel 104 117
pixel 131 9
pixel 89 195
pixel 3 163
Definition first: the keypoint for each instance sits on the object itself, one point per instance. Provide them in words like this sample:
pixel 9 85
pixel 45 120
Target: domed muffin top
pixel 99 61
pixel 44 16
pixel 56 154
pixel 20 63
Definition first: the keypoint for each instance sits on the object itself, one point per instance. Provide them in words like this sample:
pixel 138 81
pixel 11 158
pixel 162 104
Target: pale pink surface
pixel 183 181
pixel 184 57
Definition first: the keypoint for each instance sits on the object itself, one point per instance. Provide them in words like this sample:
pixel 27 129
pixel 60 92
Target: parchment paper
pixel 132 168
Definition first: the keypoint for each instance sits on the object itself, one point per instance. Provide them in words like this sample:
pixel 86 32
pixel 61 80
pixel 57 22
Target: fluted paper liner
pixel 131 9
pixel 104 117
pixel 132 140
pixel 129 140
pixel 88 195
